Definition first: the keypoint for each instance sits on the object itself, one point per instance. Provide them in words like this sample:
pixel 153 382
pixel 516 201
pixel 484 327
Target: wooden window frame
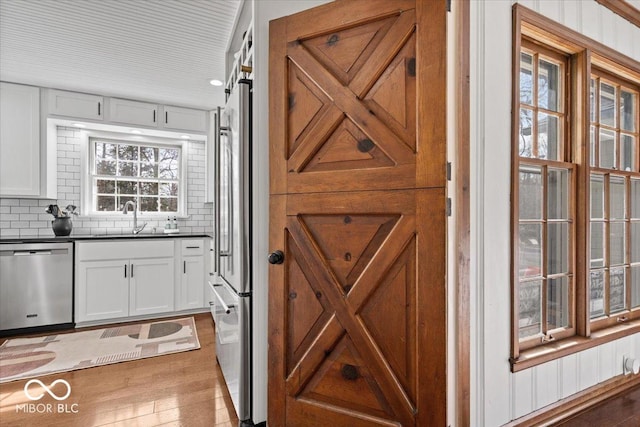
pixel 584 57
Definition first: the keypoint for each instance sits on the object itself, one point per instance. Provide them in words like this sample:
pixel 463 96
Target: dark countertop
pixel 73 238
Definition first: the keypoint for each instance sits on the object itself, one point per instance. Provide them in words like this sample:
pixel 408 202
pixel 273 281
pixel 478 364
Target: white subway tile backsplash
pixel 26 217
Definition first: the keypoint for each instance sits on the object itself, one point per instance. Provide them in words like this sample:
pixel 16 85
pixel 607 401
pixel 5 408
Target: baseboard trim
pixel 576 403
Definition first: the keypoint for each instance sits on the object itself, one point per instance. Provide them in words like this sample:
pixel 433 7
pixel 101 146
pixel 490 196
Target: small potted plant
pixel 61 223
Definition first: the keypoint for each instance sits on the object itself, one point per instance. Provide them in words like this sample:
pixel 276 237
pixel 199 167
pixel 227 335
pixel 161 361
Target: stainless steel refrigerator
pixel 232 286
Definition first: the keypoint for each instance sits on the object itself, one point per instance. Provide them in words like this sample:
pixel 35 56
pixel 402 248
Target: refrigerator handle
pixel 225 307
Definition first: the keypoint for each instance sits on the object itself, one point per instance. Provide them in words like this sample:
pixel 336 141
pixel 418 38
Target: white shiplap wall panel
pixel 498 395
pixel 550 9
pixel 609 22
pixel 495 270
pixel 522 388
pixel 163 51
pixel 568 375
pixel 546 384
pixel 606 360
pixel 588 364
pixel 591 21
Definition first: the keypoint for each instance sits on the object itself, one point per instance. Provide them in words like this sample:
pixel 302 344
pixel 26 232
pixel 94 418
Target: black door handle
pixel 276 257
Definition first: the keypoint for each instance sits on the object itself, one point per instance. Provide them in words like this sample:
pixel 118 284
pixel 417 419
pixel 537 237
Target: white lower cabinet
pixel 117 279
pixel 102 290
pixel 192 287
pixel 151 286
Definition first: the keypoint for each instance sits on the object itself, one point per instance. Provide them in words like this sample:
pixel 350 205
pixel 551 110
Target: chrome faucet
pixel 136 229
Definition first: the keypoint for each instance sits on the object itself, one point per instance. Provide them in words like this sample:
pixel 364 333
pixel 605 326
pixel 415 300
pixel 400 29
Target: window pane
pixel 148 170
pixel 148 204
pixel 635 242
pixel 592 146
pixel 617 289
pixel 635 286
pixel 558 303
pixel 617 243
pixel 168 189
pixel 529 305
pixel 548 136
pixel 530 250
pixel 105 151
pixel 607 149
pixel 124 199
pixel 168 163
pixel 607 104
pixel 597 244
pixel 627 153
pixel 530 192
pixel 148 188
pixel 558 248
pixel 105 204
pixel 149 154
pixel 627 109
pixel 105 186
pixel 597 196
pixel 127 169
pixel 592 100
pixel 617 203
pixel 526 79
pixel 168 205
pixel 635 198
pixel 526 133
pixel 596 293
pixel 548 85
pixel 127 187
pixel 558 193
pixel 106 167
pixel 127 152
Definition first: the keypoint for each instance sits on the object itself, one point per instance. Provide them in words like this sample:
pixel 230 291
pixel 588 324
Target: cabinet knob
pixel 276 257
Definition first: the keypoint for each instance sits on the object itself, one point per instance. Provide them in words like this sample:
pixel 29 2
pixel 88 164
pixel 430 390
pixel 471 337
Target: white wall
pixel 497 395
pixel 26 217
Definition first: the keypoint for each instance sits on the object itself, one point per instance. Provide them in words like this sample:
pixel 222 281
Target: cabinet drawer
pixel 87 251
pixel 192 247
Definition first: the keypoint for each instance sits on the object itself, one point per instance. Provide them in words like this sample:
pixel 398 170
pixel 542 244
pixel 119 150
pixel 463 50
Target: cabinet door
pixel 133 112
pixel 193 284
pixel 102 290
pixel 78 105
pixel 151 286
pixel 19 140
pixel 184 119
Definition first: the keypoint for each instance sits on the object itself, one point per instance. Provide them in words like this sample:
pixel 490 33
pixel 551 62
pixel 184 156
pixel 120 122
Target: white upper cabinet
pixel 77 105
pixel 133 112
pixel 19 140
pixel 187 119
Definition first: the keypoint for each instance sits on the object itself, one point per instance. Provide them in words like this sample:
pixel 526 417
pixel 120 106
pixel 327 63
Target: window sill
pixel 555 350
pixel 120 216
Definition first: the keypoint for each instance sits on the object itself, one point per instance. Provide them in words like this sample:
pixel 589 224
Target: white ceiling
pixel 164 51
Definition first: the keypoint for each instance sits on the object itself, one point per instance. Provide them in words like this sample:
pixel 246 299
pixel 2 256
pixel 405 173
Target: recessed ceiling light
pixel 215 82
pixel 185 137
pixel 79 125
pixel 136 131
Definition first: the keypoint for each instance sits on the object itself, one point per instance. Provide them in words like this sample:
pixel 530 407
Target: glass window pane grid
pixel 533 143
pixel 131 150
pixel 543 309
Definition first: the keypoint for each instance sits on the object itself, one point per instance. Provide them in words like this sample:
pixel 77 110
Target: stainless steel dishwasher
pixel 36 285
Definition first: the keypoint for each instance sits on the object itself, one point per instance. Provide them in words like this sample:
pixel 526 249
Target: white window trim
pixel 86 198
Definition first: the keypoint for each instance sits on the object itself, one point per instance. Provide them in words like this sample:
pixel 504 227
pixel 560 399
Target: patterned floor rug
pixel 22 358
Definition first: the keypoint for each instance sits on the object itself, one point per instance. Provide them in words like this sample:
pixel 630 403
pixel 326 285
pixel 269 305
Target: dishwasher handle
pixel 33 252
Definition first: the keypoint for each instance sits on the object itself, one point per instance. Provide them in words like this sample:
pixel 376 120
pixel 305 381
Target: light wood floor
pixel 182 389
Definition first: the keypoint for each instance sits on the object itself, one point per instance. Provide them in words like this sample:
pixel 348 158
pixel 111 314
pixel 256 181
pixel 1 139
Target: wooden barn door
pixel 357 301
